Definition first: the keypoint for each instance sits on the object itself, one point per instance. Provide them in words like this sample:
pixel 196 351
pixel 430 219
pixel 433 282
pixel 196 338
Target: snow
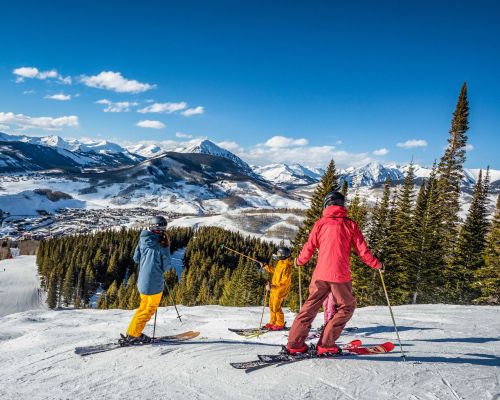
pixel 19 286
pixel 28 203
pixel 453 353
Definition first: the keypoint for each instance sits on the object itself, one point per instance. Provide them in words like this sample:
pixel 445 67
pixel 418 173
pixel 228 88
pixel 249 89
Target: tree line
pixel 430 254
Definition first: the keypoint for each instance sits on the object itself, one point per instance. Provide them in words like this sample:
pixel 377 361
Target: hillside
pixel 453 353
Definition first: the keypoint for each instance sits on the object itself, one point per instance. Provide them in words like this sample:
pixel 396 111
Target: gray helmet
pixel 334 199
pixel 158 223
pixel 282 254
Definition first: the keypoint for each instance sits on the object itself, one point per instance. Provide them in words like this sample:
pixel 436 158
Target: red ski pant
pixel 318 292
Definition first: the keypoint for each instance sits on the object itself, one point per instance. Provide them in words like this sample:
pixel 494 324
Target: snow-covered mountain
pixel 286 175
pixel 20 153
pixel 208 147
pixel 146 150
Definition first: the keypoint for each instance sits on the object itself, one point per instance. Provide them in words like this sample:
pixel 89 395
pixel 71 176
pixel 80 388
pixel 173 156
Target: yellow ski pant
pixel 276 299
pixel 147 308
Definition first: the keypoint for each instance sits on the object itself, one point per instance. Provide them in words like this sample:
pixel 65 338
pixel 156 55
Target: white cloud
pixel 229 145
pixel 193 111
pixel 381 152
pixel 183 135
pixel 116 82
pixel 29 92
pixel 45 123
pixel 147 123
pixel 469 147
pixel 413 143
pixel 115 107
pixel 23 73
pixel 282 141
pixel 164 108
pixel 59 96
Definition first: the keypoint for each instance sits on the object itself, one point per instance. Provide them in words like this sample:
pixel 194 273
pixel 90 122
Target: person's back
pixel 334 235
pixel 153 256
pixel 153 260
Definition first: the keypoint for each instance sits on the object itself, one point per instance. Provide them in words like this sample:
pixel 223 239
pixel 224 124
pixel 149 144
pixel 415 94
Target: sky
pixel 281 81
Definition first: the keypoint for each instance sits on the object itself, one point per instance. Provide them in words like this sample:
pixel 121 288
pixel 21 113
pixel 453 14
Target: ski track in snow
pixel 453 353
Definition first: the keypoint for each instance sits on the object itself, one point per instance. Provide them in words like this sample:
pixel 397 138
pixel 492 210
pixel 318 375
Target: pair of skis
pixel 254 332
pixel 100 348
pixel 352 348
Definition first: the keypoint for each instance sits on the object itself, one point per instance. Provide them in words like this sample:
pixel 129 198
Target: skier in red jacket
pixel 333 235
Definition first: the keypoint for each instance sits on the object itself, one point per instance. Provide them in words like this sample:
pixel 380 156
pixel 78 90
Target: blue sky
pixel 289 81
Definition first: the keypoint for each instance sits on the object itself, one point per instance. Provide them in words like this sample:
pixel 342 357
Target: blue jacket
pixel 153 262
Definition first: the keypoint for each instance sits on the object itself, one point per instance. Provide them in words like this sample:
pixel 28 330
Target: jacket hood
pixel 335 211
pixel 149 238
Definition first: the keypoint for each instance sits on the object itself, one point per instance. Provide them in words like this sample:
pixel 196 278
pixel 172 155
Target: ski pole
pixel 263 308
pixel 300 283
pixel 154 326
pixel 392 315
pixel 172 300
pixel 237 252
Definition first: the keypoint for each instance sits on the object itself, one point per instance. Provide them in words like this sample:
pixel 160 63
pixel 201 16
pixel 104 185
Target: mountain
pixel 286 175
pixel 100 153
pixel 29 154
pixel 208 147
pixel 146 150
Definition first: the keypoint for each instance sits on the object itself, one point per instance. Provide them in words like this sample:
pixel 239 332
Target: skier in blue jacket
pixel 153 256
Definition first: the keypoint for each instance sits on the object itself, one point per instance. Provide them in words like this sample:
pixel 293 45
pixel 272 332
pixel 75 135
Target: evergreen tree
pixel 425 273
pixel 468 256
pixel 52 291
pixel 361 276
pixel 487 277
pixel 345 188
pixel 451 173
pixel 68 286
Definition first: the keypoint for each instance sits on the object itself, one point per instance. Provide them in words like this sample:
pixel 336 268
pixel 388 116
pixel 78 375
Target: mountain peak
pixel 205 146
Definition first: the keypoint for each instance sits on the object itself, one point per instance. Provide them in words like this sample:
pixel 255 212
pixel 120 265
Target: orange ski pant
pixel 147 308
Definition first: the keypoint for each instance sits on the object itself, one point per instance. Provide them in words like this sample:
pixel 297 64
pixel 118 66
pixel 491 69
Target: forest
pixel 430 254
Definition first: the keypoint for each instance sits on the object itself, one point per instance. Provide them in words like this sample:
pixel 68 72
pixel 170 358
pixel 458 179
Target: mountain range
pixel 200 178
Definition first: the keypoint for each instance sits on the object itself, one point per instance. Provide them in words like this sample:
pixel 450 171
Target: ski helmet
pixel 158 223
pixel 334 199
pixel 282 254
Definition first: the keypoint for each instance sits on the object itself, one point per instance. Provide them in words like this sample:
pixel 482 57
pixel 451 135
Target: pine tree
pixel 345 188
pixel 361 276
pixel 451 173
pixel 487 277
pixel 52 291
pixel 425 271
pixel 468 256
pixel 68 286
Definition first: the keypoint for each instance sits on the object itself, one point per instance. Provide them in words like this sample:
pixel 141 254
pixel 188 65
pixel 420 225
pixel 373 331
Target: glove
pixel 261 264
pixel 268 286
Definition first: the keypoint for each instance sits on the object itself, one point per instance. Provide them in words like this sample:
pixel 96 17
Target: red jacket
pixel 334 235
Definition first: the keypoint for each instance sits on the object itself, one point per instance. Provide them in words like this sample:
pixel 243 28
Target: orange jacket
pixel 282 274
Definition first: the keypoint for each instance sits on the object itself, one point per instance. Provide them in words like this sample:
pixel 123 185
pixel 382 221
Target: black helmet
pixel 334 199
pixel 158 223
pixel 282 254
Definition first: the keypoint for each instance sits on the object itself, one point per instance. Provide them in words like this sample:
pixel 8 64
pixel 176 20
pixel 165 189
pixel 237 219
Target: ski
pixel 249 332
pixel 100 348
pixel 314 333
pixel 351 349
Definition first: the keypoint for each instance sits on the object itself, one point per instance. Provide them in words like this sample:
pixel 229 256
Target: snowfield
pixel 19 286
pixel 453 353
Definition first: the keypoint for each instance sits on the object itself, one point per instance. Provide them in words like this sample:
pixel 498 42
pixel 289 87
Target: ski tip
pixel 388 346
pixel 356 343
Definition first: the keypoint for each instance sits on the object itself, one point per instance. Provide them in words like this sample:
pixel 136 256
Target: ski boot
pixel 277 327
pixel 133 340
pixel 328 351
pixel 267 327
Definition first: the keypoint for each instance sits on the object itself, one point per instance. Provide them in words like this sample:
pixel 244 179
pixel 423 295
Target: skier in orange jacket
pixel 281 284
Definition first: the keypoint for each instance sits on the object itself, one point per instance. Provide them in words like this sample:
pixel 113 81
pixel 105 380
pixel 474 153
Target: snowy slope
pixel 284 174
pixel 453 353
pixel 19 286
